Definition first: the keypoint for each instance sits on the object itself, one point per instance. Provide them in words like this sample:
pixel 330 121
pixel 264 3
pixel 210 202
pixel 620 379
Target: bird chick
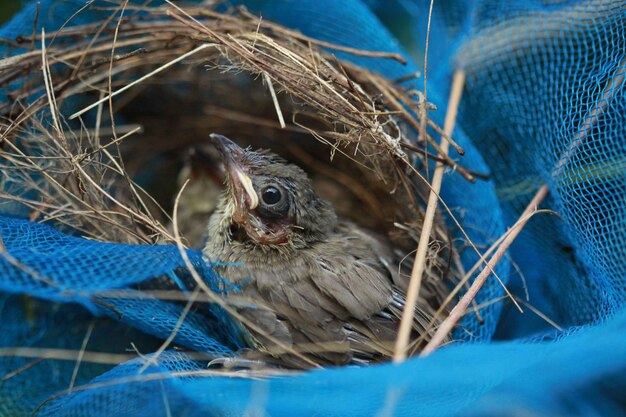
pixel 308 281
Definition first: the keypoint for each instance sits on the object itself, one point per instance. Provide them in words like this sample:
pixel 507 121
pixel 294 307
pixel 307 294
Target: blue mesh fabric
pixel 536 71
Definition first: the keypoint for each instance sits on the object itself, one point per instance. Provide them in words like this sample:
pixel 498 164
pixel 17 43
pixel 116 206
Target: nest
pixel 101 118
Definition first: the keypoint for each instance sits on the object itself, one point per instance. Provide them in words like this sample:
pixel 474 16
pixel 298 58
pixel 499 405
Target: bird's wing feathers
pixel 263 317
pixel 354 285
pixel 299 310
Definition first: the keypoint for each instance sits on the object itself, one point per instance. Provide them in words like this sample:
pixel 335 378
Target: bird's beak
pixel 233 157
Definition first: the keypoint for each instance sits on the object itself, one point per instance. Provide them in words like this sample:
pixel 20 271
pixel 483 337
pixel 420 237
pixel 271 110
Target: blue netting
pixel 536 71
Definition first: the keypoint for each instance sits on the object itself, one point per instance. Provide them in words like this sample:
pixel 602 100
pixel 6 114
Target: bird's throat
pixel 269 234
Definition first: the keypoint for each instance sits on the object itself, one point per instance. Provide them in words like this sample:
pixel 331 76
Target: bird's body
pixel 305 297
pixel 308 281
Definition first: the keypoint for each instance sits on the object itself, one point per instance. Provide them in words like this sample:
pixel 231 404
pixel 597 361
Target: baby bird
pixel 308 281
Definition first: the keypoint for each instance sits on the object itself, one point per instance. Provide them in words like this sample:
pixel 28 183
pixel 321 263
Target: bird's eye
pixel 271 195
pixel 274 202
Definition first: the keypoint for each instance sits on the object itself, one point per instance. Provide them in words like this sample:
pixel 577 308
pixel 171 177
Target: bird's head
pixel 269 201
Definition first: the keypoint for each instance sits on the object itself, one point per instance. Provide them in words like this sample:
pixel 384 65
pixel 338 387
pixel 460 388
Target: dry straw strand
pixel 402 341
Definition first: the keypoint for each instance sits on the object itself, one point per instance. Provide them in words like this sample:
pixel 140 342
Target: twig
pixel 402 340
pixel 47 78
pixel 22 369
pixel 143 78
pixel 65 354
pixel 459 310
pixel 447 137
pixel 279 112
pixel 423 111
pixel 168 375
pixel 81 353
pixel 540 314
pixel 181 319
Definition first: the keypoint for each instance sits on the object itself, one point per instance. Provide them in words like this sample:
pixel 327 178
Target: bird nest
pixel 101 118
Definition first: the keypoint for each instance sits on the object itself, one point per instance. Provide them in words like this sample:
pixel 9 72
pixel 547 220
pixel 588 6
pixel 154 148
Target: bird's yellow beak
pixel 246 183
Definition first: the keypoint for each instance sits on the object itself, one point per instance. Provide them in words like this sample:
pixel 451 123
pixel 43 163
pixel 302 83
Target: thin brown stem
pixel 459 310
pixel 406 323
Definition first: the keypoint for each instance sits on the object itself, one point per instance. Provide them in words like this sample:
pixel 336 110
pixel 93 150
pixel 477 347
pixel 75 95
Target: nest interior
pixel 155 84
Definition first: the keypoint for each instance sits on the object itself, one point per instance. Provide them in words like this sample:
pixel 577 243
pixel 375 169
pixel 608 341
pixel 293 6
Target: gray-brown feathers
pixel 314 289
